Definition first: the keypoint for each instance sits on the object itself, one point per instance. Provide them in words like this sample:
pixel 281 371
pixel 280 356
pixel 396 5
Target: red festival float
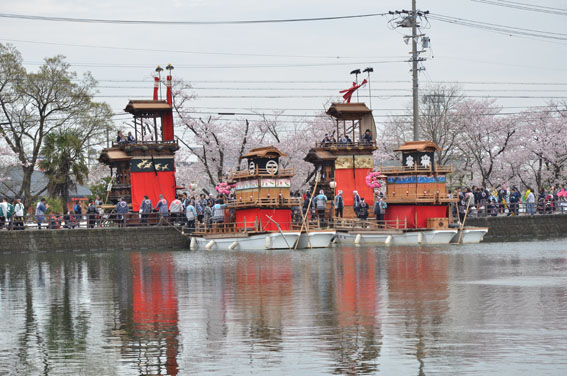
pixel 143 164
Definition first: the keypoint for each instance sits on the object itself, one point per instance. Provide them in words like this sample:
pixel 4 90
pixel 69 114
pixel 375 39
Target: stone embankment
pixel 134 238
pixel 521 228
pixel 501 229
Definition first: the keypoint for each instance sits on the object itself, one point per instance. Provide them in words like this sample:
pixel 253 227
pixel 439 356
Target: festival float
pixel 144 165
pixel 419 210
pixel 259 217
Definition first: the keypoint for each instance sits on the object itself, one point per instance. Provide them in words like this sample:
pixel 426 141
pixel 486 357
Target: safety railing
pixel 345 145
pixel 264 202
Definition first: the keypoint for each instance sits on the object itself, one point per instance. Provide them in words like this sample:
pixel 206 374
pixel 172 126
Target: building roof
pixel 145 107
pixel 419 146
pixel 12 180
pixel 263 152
pixel 348 111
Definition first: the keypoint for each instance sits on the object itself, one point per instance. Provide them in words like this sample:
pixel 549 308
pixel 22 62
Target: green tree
pixel 64 162
pixel 36 104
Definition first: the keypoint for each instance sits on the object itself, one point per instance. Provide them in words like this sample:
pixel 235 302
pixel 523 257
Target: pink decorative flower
pixel 373 180
pixel 224 188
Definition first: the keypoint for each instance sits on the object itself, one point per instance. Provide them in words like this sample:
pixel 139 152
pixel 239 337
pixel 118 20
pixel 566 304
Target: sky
pixel 297 68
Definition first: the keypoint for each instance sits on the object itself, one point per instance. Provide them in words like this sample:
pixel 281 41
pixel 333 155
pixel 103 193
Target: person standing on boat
pixel 363 210
pixel 176 210
pixel 356 202
pixel 380 208
pixel 121 210
pixel 161 207
pixel 190 215
pixel 321 204
pixel 339 204
pixel 367 137
pixel 145 209
pixel 218 212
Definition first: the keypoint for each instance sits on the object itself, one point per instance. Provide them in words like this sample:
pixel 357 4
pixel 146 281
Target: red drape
pixel 349 180
pixel 282 216
pixel 410 212
pixel 147 183
pixel 167 126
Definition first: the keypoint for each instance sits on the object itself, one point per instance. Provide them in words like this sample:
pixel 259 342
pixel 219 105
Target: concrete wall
pixel 503 228
pixel 133 238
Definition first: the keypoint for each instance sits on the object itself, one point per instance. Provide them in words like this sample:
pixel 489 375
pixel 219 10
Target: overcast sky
pixel 313 59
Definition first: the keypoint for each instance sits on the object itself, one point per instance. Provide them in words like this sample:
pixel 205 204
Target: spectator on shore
pixel 121 210
pixel 514 201
pixel 92 214
pixel 6 212
pixel 70 221
pixel 19 215
pixel 40 210
pixel 78 212
pixel 100 210
pixel 145 209
pixel 530 201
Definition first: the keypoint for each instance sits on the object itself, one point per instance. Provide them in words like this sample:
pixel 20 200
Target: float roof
pixel 348 111
pixel 143 107
pixel 419 146
pixel 263 152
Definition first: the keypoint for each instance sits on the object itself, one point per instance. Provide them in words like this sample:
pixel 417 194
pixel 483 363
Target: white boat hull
pixel 471 235
pixel 363 238
pixel 316 239
pixel 438 236
pixel 257 242
pixel 407 238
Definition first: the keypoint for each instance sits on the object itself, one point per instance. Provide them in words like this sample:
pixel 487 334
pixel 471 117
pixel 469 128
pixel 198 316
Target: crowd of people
pixel 188 210
pixel 344 140
pixel 480 201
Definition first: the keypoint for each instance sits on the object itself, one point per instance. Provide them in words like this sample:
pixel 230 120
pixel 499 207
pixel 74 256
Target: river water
pixel 487 309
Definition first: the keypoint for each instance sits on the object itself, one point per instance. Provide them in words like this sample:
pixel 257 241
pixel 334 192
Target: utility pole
pixel 415 84
pixel 407 19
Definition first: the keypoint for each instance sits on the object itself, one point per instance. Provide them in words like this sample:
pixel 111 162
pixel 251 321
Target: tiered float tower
pixel 262 191
pixel 145 166
pixel 416 191
pixel 344 166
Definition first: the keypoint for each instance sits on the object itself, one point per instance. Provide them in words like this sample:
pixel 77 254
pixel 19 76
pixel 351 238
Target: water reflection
pixel 338 311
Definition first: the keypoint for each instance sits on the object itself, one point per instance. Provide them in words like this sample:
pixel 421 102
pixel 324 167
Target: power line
pixel 502 29
pixel 182 23
pixel 524 6
pixel 150 67
pixel 199 52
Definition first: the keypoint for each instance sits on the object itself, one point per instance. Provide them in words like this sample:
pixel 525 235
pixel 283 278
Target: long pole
pixel 414 70
pixel 317 177
pixel 464 219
